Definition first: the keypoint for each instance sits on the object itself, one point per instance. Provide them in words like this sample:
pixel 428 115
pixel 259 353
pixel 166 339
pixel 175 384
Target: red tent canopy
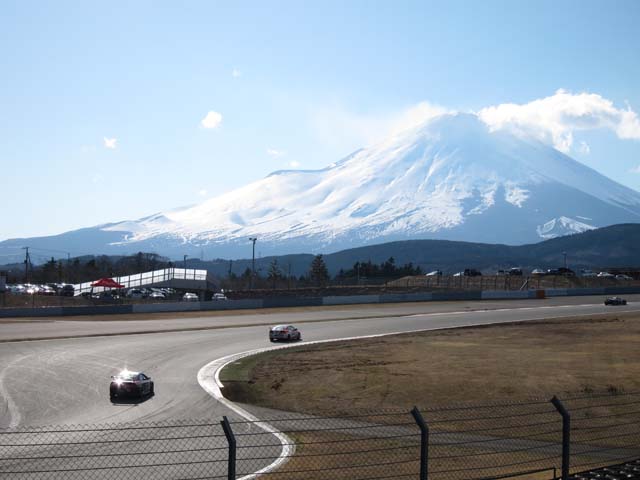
pixel 107 283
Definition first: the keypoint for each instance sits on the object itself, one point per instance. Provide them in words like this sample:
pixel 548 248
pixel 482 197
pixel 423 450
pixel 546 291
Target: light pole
pixel 253 260
pixel 184 263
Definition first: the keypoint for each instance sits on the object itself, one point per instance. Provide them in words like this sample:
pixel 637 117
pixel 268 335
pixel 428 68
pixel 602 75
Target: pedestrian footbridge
pixel 179 278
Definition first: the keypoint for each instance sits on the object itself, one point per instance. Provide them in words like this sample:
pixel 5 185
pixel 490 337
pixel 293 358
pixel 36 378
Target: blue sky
pixel 103 103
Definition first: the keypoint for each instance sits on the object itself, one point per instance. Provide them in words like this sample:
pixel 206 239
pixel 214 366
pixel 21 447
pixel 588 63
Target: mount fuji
pixel 450 177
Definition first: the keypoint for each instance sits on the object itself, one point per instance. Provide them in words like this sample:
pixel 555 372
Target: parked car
pixel 219 296
pixel 67 290
pixel 606 275
pixel 615 301
pixel 435 273
pixel 32 289
pixel 587 273
pixel 107 295
pixel 17 289
pixel 515 272
pixel 157 296
pixel 538 272
pixel 46 290
pixel 472 272
pixel 458 274
pixel 553 271
pixel 190 297
pixel 284 332
pixel 130 384
pixel 622 276
pixel 135 293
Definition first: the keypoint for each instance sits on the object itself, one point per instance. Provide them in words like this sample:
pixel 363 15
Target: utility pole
pixel 27 260
pixel 184 262
pixel 253 260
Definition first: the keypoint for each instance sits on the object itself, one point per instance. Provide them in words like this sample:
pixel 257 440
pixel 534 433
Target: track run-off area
pixel 62 381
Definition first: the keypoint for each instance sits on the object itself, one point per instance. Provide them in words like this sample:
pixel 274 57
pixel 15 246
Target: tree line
pixel 88 268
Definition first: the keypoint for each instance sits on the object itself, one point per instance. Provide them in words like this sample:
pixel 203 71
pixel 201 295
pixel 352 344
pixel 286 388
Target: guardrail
pixel 551 439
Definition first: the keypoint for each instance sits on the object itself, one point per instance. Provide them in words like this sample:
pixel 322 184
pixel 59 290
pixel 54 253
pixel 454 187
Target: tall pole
pixel 184 262
pixel 253 260
pixel 26 264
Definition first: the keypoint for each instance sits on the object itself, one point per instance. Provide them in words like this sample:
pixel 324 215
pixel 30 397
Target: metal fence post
pixel 424 443
pixel 231 440
pixel 566 436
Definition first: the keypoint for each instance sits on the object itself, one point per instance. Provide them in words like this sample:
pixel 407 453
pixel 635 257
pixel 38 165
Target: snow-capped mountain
pixel 448 178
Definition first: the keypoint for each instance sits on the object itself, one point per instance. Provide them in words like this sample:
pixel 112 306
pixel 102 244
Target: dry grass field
pixel 504 362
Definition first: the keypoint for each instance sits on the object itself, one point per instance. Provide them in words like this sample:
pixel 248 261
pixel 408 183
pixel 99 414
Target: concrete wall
pixel 502 295
pixel 350 299
pixel 306 302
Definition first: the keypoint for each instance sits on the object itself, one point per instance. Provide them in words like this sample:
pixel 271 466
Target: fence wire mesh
pixel 184 449
pixel 366 446
pixel 487 441
pixel 516 440
pixel 605 431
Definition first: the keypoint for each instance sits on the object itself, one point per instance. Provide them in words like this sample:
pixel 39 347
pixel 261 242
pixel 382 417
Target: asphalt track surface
pixel 65 381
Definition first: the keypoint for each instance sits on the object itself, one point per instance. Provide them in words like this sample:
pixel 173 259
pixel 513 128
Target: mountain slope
pixel 448 178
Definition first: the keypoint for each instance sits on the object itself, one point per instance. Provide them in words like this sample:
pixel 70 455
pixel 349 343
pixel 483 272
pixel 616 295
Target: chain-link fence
pixel 538 439
pixel 185 449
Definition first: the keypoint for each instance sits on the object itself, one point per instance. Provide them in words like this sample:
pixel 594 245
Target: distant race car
pixel 130 384
pixel 284 332
pixel 615 301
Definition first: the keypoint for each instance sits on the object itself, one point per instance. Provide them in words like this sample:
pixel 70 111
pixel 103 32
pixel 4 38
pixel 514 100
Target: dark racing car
pixel 615 301
pixel 130 384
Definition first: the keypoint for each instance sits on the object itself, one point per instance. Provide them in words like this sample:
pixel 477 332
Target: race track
pixel 65 381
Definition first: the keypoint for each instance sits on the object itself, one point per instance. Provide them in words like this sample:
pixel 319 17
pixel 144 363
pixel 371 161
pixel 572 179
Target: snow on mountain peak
pixel 441 176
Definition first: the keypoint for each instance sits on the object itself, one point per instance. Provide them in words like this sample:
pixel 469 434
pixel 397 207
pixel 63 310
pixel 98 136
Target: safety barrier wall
pixel 232 304
pixel 406 297
pixel 30 312
pixel 166 307
pixel 585 291
pixel 621 290
pixel 292 302
pixel 556 292
pixel 97 310
pixel 350 299
pixel 307 301
pixel 468 295
pixel 502 295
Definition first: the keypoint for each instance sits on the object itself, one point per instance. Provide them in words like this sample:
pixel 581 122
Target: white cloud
pixel 212 120
pixel 337 126
pixel 294 164
pixel 554 119
pixel 235 73
pixel 110 143
pixel 635 170
pixel 203 192
pixel 275 153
